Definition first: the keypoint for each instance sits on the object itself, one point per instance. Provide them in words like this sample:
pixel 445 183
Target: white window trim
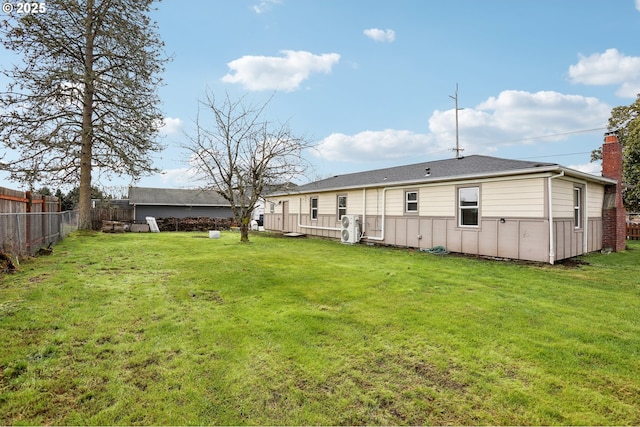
pixel 577 208
pixel 312 209
pixel 461 208
pixel 407 202
pixel 338 208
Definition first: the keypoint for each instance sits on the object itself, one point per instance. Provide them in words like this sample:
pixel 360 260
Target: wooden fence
pixel 14 201
pixel 633 231
pixel 30 221
pixel 110 213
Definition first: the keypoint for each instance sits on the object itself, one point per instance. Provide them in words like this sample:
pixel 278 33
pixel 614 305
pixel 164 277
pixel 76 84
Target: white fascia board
pixel 454 179
pixel 451 179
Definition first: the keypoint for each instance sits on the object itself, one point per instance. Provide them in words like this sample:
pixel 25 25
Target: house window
pixel 468 206
pixel 272 207
pixel 314 208
pixel 577 208
pixel 411 201
pixel 342 206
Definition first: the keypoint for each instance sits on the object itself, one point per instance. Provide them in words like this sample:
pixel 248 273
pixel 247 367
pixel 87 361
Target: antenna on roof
pixel 457 149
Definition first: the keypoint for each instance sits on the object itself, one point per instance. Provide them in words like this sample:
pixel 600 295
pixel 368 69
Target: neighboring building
pixel 475 205
pixel 258 211
pixel 110 203
pixel 177 203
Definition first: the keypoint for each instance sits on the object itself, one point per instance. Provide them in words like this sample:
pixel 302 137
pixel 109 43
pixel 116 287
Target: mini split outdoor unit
pixel 350 229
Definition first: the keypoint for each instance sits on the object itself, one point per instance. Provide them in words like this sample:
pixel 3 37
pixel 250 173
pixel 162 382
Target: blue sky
pixel 370 81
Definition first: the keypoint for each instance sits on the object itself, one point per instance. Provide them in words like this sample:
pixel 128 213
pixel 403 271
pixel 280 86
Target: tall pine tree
pixel 84 95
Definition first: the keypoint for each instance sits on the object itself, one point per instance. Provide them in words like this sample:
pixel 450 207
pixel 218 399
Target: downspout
pixel 552 251
pixel 384 210
pixel 364 212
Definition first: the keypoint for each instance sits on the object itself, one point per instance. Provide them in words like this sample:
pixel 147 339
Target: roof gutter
pixel 384 210
pixel 422 181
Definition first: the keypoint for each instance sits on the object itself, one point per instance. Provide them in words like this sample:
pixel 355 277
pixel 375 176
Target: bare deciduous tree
pixel 84 95
pixel 239 154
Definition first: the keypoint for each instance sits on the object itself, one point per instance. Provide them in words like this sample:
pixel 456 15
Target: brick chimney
pixel 614 221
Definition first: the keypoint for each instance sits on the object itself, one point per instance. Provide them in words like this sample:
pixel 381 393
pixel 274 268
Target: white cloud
pixel 278 73
pixel 170 125
pixel 371 145
pixel 638 5
pixel 180 178
pixel 381 35
pixel 521 114
pixel 629 89
pixel 513 117
pixel 608 68
pixel 594 168
pixel 265 6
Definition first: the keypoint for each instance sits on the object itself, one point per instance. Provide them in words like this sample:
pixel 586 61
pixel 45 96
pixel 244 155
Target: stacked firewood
pixel 194 224
pixel 113 227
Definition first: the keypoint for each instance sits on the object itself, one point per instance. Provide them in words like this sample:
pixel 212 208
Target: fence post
pixel 19 227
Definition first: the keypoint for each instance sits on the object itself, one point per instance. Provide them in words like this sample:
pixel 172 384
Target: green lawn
pixel 176 328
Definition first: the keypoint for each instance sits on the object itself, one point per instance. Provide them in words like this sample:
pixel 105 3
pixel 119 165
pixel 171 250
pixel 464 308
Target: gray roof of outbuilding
pixel 469 167
pixel 175 197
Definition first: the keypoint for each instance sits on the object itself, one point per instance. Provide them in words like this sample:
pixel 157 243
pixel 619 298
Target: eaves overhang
pixel 435 180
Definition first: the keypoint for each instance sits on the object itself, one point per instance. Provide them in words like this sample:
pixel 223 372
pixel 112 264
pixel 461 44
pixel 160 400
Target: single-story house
pixel 177 203
pixel 476 205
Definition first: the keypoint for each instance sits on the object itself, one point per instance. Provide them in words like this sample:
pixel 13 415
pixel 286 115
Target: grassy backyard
pixel 176 328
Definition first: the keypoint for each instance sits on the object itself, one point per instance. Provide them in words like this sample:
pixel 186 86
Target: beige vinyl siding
pixel 562 198
pixel 522 198
pixel 277 208
pixel 595 195
pixel 294 205
pixel 328 203
pixel 395 201
pixel 437 201
pixel 432 201
pixel 374 201
pixel 354 202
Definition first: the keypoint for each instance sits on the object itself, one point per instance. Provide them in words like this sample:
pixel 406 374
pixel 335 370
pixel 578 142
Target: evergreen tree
pixel 84 95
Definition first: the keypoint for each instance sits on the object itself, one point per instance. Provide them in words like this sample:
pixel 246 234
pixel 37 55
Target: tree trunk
pixel 244 228
pixel 84 202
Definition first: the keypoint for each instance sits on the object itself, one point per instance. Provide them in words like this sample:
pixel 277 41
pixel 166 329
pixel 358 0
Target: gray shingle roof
pixel 175 197
pixel 440 170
